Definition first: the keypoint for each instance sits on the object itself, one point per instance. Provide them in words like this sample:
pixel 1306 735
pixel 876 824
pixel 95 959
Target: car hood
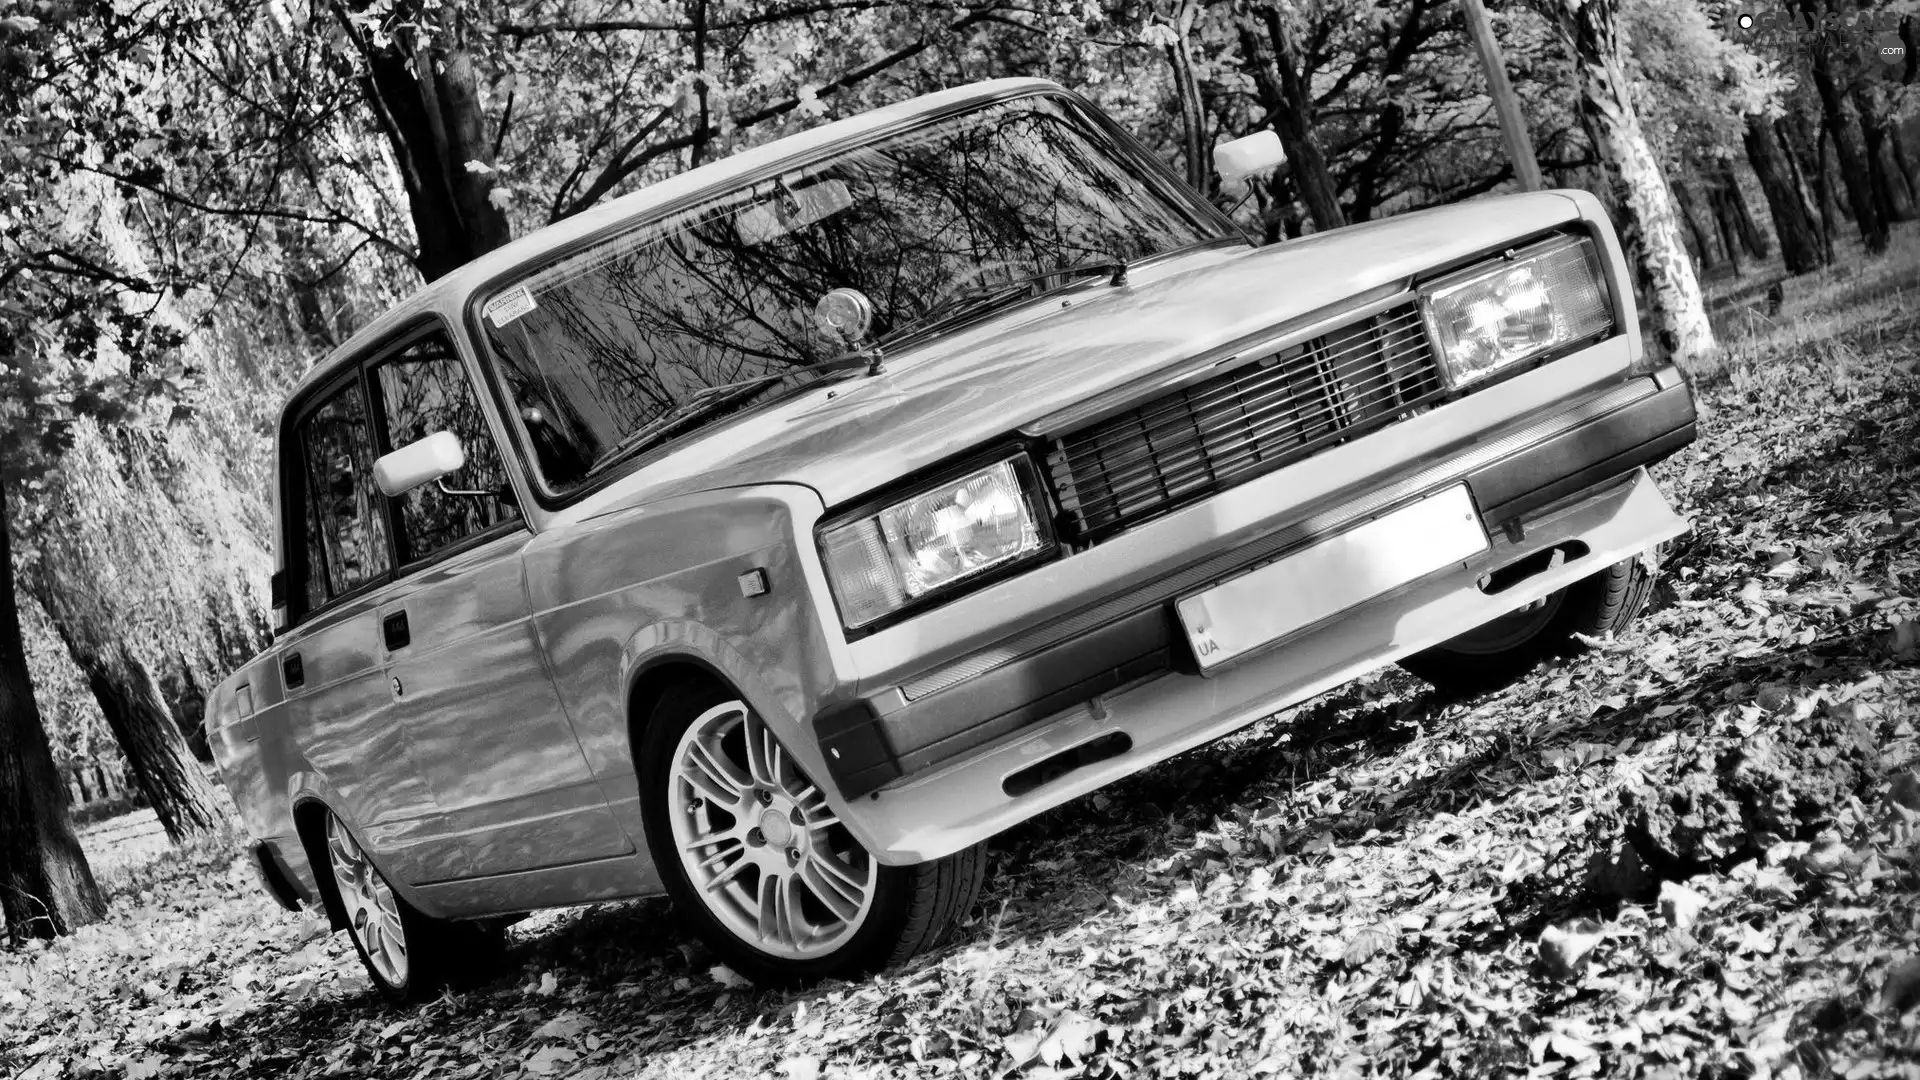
pixel 996 376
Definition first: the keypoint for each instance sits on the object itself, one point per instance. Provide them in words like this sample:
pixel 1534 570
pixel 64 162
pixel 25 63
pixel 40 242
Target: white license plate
pixel 1268 603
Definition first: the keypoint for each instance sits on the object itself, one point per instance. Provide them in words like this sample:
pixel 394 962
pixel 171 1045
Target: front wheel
pixel 750 850
pixel 1491 656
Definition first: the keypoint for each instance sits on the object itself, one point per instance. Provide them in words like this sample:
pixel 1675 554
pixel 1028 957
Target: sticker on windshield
pixel 508 306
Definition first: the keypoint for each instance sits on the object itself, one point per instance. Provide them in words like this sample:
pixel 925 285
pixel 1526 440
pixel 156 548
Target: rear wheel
pixel 750 850
pixel 407 954
pixel 1495 654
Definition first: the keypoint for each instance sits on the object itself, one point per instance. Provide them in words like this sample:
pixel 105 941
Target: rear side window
pixel 424 389
pixel 346 533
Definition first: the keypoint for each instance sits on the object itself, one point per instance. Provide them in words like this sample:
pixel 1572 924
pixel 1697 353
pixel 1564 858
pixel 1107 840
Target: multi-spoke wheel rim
pixel 759 844
pixel 373 914
pixel 1509 630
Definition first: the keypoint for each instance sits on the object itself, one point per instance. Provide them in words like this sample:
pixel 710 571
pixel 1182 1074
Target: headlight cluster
pixel 1545 296
pixel 879 563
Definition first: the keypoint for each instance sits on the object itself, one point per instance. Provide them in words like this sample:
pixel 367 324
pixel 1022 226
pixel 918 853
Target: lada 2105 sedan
pixel 772 537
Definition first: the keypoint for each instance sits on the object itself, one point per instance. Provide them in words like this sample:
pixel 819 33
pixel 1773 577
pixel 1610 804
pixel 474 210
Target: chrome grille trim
pixel 1229 427
pixel 1161 590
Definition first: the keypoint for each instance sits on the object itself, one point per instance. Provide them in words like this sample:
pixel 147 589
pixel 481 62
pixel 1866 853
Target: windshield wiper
pixel 961 304
pixel 711 399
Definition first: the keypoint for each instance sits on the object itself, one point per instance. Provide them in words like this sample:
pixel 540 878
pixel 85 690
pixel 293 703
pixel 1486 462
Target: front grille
pixel 1231 427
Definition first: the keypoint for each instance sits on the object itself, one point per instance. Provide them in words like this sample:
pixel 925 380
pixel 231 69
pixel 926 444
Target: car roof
pixel 447 292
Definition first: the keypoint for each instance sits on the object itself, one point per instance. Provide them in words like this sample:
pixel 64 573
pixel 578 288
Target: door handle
pixel 293 670
pixel 394 626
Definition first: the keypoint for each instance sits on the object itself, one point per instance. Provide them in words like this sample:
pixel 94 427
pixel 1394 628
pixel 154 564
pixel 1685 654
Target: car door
pixel 466 671
pixel 337 708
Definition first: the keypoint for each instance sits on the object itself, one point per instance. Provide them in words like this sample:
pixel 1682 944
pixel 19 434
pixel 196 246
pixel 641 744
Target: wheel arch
pixel 674 653
pixel 650 681
pixel 310 824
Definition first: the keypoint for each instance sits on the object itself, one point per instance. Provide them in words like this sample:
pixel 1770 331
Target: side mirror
pixel 416 463
pixel 1248 156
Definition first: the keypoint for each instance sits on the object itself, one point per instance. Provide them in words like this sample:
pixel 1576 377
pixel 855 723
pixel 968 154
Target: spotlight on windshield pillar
pixel 845 314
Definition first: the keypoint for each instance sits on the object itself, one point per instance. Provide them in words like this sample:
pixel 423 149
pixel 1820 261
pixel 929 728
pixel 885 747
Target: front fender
pixel 621 592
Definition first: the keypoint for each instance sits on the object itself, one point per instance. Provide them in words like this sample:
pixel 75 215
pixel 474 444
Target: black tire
pixel 1494 655
pixel 439 952
pixel 914 909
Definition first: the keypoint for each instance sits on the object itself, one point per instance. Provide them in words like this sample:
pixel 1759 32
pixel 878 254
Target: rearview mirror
pixel 1249 156
pixel 419 462
pixel 792 210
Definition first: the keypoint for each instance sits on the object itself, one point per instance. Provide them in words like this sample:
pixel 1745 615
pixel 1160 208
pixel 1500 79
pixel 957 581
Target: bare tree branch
pixel 623 165
pixel 523 31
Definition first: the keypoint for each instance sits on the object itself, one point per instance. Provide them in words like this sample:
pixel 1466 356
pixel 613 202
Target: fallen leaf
pixel 728 977
pixel 1903 641
pixel 566 1026
pixel 549 1060
pixel 1564 950
pixel 1679 905
pixel 1365 945
pixel 800 1068
pixel 1022 1046
pixel 1905 790
pixel 1071 1037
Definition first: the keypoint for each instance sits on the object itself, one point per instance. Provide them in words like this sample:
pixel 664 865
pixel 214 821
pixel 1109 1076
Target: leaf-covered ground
pixel 1690 852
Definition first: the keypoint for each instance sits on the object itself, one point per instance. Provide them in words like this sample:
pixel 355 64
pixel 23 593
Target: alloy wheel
pixel 758 842
pixel 373 912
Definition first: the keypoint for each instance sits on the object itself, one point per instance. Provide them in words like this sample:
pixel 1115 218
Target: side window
pixel 424 389
pixel 345 525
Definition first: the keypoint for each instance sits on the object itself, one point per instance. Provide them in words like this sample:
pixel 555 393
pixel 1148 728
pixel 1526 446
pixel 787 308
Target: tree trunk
pixel 1675 310
pixel 1830 163
pixel 698 150
pixel 424 97
pixel 1733 203
pixel 46 887
pixel 163 766
pixel 1186 87
pixel 1792 223
pixel 1890 194
pixel 1898 145
pixel 1724 229
pixel 1788 137
pixel 1853 166
pixel 1285 95
pixel 1705 260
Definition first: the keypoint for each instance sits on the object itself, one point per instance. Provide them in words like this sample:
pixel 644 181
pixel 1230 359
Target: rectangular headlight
pixel 879 563
pixel 1545 296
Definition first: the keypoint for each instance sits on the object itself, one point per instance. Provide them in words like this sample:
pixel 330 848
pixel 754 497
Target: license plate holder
pixel 1255 609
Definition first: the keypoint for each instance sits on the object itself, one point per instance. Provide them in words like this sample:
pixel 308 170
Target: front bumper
pixel 968 800
pixel 966 750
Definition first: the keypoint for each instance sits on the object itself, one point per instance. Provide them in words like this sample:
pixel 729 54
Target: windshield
pixel 594 350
